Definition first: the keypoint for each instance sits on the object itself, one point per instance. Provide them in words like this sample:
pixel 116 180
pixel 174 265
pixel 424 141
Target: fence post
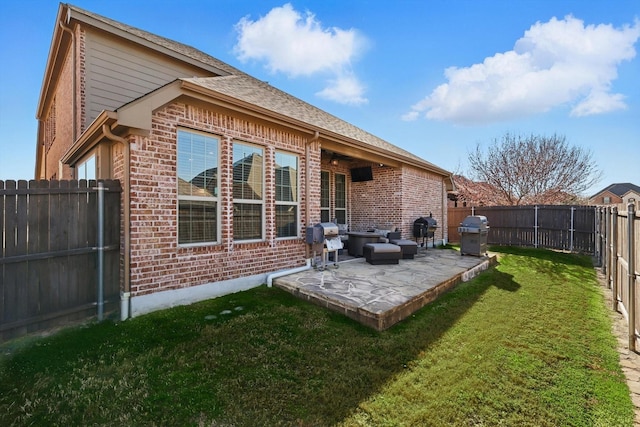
pixel 605 250
pixel 606 265
pixel 535 226
pixel 631 274
pixel 614 257
pixel 100 251
pixel 572 229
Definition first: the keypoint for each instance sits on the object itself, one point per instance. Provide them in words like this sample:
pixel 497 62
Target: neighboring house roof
pixel 619 189
pixel 477 193
pixel 484 194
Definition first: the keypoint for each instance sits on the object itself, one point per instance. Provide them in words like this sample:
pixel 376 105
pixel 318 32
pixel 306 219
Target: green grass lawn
pixel 527 343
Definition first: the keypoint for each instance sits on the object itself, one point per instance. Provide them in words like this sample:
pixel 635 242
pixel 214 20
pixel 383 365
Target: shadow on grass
pixel 260 357
pixel 555 264
pixel 545 255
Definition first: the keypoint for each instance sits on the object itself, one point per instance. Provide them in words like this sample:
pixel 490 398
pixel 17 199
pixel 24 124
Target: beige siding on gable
pixel 119 72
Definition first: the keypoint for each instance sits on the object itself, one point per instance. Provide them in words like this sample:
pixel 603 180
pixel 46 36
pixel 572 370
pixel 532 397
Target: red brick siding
pixel 58 121
pixel 393 199
pixel 377 203
pixel 313 191
pixel 614 199
pixel 117 172
pixel 157 262
pixel 423 193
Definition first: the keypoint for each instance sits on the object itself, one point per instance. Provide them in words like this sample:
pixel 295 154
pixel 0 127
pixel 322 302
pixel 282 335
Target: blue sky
pixel 434 77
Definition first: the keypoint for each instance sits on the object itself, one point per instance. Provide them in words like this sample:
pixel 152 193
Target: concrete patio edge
pixel 372 313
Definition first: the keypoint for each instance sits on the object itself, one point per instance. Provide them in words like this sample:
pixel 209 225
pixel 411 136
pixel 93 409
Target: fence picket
pixel 38 242
pixel 2 249
pixel 48 261
pixel 9 284
pixel 542 226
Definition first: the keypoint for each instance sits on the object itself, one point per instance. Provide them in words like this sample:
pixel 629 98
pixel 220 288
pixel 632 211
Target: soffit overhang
pixel 90 138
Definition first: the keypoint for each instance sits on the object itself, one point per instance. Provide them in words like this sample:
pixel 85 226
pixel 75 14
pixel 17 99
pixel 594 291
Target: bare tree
pixel 535 169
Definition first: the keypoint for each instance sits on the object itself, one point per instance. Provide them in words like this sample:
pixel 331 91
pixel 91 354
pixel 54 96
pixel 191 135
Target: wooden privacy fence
pixel 570 228
pixel 620 247
pixel 60 247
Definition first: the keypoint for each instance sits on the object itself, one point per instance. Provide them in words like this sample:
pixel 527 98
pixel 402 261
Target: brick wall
pixel 377 203
pixel 157 261
pixel 423 193
pixel 599 199
pixel 394 198
pixel 58 121
pixel 58 124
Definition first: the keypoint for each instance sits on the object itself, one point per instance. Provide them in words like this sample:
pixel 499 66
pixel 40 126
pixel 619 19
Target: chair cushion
pixel 404 242
pixel 378 248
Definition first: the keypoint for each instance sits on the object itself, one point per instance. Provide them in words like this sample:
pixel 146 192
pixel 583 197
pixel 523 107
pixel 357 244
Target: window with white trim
pixel 325 197
pixel 340 210
pixel 286 195
pixel 248 194
pixel 87 168
pixel 197 171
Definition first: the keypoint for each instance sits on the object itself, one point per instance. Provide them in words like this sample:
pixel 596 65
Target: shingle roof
pixel 261 94
pixel 620 189
pixel 175 46
pixel 246 88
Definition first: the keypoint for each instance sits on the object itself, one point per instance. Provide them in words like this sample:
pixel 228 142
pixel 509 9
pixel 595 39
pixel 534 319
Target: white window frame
pixel 325 209
pixel 82 168
pixel 214 198
pixel 261 202
pixel 335 199
pixel 296 196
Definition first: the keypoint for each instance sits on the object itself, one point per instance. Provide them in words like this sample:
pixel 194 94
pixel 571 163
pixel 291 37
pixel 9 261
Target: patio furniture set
pixel 381 246
pixel 376 246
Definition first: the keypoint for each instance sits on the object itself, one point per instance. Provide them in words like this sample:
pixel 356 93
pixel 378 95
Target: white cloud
pixel 560 62
pixel 345 89
pixel 297 46
pixel 598 103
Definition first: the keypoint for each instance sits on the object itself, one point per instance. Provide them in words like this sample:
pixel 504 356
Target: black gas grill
pixel 424 228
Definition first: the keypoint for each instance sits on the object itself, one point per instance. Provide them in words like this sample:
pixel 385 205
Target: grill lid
pixel 329 229
pixel 474 223
pixel 429 221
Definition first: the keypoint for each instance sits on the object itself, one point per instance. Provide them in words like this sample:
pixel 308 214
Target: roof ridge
pixel 619 188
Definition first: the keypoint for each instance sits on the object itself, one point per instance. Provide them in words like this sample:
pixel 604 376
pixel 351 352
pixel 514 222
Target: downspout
pixel 277 274
pixel 74 108
pixel 126 293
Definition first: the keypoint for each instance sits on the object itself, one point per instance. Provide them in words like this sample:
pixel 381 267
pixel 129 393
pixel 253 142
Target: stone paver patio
pixel 379 296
